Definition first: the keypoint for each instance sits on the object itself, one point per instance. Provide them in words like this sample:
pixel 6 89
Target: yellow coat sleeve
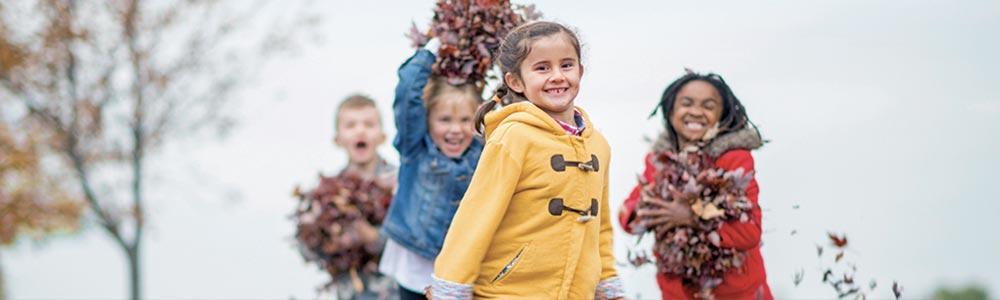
pixel 478 216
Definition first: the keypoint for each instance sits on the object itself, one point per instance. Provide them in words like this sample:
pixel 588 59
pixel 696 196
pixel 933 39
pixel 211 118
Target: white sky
pixel 882 116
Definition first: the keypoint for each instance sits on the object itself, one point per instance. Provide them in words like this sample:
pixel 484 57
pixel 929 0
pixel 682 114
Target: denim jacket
pixel 430 183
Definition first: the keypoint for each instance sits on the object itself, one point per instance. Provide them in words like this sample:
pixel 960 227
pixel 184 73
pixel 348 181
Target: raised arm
pixel 408 105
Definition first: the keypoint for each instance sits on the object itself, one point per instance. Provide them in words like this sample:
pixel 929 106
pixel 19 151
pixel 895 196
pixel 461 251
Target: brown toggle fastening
pixel 556 208
pixel 559 164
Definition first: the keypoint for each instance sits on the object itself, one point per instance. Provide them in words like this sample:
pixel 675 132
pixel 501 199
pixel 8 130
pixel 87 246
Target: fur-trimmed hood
pixel 746 138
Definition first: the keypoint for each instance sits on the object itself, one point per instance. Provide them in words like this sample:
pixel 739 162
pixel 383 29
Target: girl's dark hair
pixel 734 115
pixel 514 48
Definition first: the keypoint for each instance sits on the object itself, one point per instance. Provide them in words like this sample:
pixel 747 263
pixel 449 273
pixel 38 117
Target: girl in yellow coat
pixel 534 223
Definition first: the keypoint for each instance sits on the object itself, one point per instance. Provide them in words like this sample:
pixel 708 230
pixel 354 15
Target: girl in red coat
pixel 701 111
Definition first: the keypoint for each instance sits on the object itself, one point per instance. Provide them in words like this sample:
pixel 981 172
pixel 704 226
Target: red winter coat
pixel 747 282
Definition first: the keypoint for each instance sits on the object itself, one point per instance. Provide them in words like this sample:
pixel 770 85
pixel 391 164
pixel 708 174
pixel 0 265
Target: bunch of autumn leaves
pixel 470 32
pixel 336 223
pixel 715 196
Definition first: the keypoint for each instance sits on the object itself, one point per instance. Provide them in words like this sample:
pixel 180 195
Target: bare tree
pixel 106 83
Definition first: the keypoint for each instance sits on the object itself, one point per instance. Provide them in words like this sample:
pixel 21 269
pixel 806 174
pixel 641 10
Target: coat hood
pixel 529 114
pixel 747 138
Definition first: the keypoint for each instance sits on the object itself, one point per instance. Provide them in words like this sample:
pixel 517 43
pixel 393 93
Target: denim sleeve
pixel 408 105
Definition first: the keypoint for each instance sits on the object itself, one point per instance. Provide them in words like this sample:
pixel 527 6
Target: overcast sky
pixel 882 117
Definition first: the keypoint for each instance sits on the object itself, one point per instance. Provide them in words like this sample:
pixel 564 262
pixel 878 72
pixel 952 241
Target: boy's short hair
pixel 354 101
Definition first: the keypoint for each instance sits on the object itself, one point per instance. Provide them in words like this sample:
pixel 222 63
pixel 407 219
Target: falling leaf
pixel 798 276
pixel 839 256
pixel 838 241
pixel 897 290
pixel 849 292
pixel 794 231
pixel 872 284
pixel 819 251
pixel 417 38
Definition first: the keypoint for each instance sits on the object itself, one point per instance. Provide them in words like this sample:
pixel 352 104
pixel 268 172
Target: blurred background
pixel 150 148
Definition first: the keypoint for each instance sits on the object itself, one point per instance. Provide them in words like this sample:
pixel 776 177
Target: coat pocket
pixel 511 265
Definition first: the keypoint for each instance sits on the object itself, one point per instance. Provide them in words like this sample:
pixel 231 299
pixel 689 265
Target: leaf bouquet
pixel 694 252
pixel 470 31
pixel 336 224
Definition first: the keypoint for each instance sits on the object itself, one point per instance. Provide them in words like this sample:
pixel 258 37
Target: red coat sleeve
pixel 627 211
pixel 735 234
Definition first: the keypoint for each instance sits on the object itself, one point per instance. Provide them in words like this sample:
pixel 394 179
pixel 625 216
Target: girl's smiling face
pixel 450 123
pixel 696 109
pixel 550 76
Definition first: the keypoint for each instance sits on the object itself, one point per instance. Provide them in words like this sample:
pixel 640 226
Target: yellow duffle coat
pixel 534 223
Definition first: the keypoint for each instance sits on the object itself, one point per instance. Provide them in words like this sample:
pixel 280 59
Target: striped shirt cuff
pixel 446 290
pixel 610 288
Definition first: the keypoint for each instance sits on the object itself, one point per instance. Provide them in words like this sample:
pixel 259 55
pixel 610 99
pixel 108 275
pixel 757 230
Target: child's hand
pixel 366 231
pixel 433 45
pixel 671 214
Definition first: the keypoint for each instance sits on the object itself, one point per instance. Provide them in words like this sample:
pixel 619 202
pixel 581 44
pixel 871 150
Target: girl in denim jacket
pixel 438 154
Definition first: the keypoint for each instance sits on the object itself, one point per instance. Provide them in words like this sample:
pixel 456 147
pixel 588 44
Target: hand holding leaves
pixel 684 205
pixel 337 223
pixel 470 31
pixel 659 212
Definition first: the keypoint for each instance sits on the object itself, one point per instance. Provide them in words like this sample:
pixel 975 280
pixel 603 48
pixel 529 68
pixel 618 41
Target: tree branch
pixel 138 118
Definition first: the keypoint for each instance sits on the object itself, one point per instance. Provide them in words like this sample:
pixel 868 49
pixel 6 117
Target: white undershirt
pixel 409 269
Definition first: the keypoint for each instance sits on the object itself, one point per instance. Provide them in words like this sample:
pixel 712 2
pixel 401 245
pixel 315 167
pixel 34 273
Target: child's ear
pixel 581 70
pixel 336 140
pixel 513 82
pixel 381 138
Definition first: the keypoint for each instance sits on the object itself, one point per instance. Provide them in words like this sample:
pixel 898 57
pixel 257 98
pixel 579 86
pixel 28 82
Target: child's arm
pixel 408 105
pixel 478 216
pixel 627 212
pixel 610 286
pixel 735 234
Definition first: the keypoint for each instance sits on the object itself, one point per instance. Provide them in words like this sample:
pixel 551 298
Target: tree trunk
pixel 135 288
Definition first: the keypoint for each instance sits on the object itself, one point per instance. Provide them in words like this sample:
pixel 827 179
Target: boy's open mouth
pixel 361 145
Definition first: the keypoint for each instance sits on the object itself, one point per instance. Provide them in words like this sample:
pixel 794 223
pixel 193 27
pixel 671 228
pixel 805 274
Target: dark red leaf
pixel 838 241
